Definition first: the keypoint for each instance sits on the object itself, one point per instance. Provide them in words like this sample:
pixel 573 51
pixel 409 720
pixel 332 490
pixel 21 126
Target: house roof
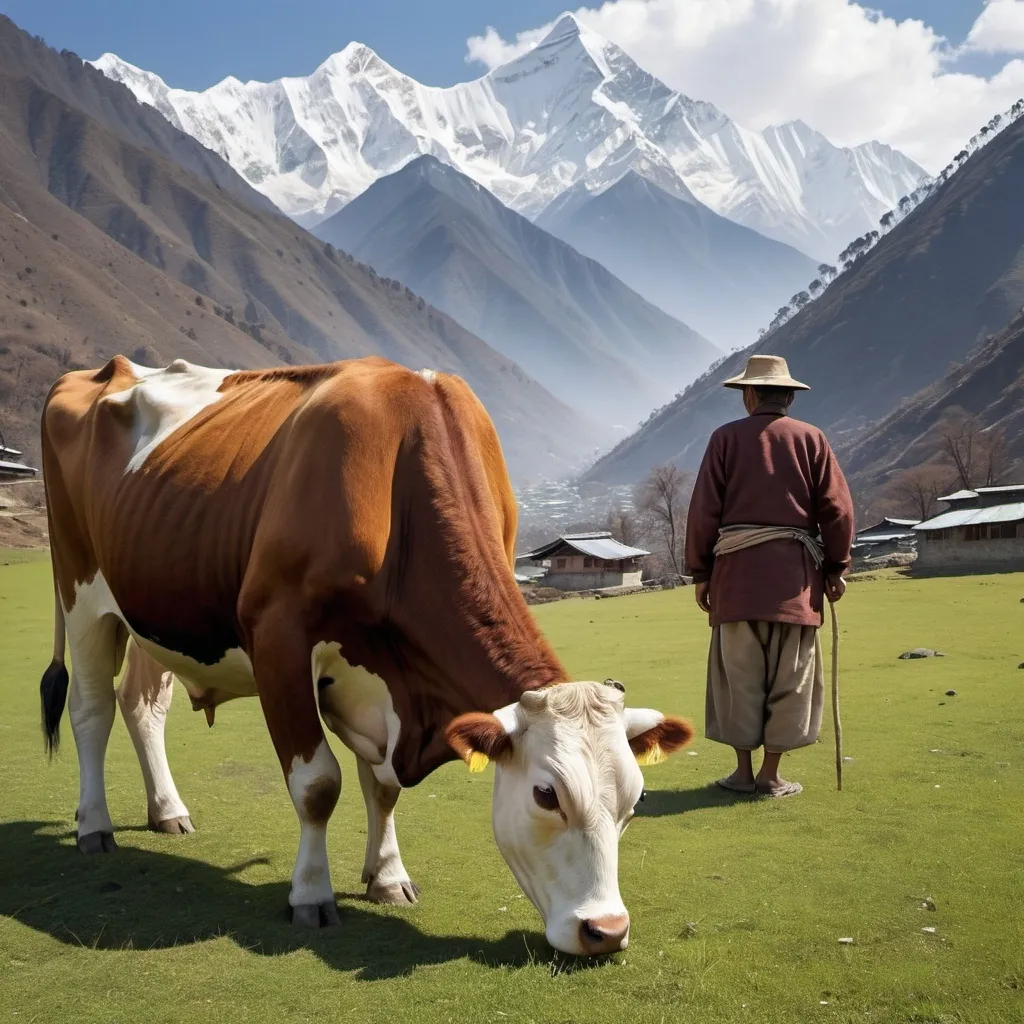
pixel 889 522
pixel 960 496
pixel 16 467
pixel 878 538
pixel 597 545
pixel 1010 513
pixel 1002 489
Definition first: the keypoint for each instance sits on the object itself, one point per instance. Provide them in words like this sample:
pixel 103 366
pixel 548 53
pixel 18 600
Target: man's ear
pixel 653 737
pixel 477 738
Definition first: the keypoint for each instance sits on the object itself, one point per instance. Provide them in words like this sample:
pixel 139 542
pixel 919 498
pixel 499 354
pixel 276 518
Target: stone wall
pixel 965 555
pixel 596 580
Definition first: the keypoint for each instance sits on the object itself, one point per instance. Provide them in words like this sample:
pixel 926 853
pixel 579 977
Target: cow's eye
pixel 546 798
pixel 643 793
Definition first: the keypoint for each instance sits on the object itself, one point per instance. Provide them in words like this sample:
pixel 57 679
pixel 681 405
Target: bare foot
pixel 778 787
pixel 738 782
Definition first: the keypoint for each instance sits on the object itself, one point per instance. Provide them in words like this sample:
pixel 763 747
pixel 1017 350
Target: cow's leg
pixel 385 876
pixel 145 698
pixel 93 648
pixel 312 772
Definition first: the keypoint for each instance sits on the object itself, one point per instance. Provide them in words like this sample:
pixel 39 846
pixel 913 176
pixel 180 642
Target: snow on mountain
pixel 574 109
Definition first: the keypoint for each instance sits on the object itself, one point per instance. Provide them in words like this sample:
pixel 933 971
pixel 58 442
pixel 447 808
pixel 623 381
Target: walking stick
pixel 835 697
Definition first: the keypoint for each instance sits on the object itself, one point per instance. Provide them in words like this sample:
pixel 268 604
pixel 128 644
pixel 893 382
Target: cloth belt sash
pixel 738 538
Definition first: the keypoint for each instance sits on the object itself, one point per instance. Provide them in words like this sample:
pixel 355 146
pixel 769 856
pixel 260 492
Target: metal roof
pixel 16 467
pixel 960 496
pixel 975 516
pixel 1002 489
pixel 888 522
pixel 877 538
pixel 597 545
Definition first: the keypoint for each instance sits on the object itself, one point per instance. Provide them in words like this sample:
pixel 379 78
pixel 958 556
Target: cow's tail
pixel 53 688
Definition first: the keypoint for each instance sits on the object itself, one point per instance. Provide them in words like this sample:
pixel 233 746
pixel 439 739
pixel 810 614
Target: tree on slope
pixel 664 497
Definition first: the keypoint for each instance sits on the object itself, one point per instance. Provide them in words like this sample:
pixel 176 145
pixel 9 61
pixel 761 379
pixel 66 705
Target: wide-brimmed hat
pixel 766 372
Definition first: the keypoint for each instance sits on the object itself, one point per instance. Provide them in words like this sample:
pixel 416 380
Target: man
pixel 767 487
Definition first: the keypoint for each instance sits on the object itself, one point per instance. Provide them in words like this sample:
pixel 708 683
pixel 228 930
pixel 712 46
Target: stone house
pixel 588 561
pixel 981 531
pixel 885 538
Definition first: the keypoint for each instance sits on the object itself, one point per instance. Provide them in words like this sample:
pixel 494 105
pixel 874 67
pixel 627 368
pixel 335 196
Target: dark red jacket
pixel 768 469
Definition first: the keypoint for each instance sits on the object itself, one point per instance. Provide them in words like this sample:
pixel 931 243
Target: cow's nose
pixel 604 934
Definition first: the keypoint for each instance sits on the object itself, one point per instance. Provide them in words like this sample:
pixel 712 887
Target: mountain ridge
pixel 575 106
pixel 948 274
pixel 249 286
pixel 562 316
pixel 721 277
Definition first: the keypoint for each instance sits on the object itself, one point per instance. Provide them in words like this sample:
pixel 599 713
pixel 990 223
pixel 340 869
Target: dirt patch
pixel 23 516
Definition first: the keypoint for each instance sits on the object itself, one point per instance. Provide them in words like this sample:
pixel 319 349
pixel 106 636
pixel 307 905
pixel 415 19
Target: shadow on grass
pixel 143 899
pixel 661 803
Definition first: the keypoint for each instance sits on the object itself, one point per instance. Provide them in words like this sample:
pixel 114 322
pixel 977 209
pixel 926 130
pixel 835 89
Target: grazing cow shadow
pixel 662 803
pixel 144 899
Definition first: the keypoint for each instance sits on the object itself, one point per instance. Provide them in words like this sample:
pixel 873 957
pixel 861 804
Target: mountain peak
pixel 353 58
pixel 568 29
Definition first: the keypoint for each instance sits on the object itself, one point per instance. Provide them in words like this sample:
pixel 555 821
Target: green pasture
pixel 738 905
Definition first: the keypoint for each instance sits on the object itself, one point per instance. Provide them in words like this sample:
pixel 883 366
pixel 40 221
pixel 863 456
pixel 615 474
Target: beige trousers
pixel 765 686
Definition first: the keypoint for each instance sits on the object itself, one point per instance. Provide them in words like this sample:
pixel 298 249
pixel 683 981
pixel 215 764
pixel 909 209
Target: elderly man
pixel 768 486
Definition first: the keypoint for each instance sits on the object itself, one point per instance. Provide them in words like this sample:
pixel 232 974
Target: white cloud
pixel 491 50
pixel 999 28
pixel 848 71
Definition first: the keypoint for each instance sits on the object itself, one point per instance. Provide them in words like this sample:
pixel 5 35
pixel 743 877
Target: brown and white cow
pixel 346 530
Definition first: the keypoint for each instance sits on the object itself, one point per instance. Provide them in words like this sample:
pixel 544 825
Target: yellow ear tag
pixel 477 761
pixel 655 755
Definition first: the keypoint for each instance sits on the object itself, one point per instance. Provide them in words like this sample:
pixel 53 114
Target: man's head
pixel 754 396
pixel 567 779
pixel 766 380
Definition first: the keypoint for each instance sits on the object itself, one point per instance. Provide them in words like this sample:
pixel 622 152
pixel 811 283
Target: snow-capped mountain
pixel 575 109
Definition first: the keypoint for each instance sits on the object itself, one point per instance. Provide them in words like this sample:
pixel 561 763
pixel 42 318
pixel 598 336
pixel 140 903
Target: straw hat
pixel 766 372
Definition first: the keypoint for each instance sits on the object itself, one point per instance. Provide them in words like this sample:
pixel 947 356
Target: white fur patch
pixel 232 673
pixel 428 375
pixel 165 399
pixel 358 709
pixel 311 879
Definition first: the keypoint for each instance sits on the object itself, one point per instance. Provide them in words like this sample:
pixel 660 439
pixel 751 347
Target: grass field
pixel 737 905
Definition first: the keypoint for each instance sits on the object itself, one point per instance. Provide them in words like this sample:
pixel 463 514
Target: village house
pixel 885 538
pixel 10 469
pixel 982 530
pixel 588 561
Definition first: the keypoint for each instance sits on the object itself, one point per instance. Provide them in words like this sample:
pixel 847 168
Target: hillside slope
pixel 295 297
pixel 945 277
pixel 988 385
pixel 591 340
pixel 724 279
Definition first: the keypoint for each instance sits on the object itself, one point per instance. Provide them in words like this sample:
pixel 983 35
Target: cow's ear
pixel 477 738
pixel 653 736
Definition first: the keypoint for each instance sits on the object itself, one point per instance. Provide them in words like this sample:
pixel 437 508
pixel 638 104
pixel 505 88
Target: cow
pixel 338 541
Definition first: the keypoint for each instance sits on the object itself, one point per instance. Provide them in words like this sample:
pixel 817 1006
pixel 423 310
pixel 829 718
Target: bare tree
pixel 917 490
pixel 980 457
pixel 664 497
pixel 627 526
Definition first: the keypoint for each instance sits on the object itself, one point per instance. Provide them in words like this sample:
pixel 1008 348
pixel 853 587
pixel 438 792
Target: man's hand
pixel 703 595
pixel 835 587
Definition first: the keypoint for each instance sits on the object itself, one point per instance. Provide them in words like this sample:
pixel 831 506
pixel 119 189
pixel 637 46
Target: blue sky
pixel 194 43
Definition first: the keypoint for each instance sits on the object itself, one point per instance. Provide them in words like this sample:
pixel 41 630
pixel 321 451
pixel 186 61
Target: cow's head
pixel 567 780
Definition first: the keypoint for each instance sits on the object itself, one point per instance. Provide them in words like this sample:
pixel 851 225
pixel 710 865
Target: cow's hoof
pixel 316 915
pixel 97 842
pixel 173 826
pixel 397 894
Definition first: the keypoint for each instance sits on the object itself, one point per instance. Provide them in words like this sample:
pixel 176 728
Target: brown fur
pixel 478 733
pixel 321 796
pixel 354 502
pixel 671 735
